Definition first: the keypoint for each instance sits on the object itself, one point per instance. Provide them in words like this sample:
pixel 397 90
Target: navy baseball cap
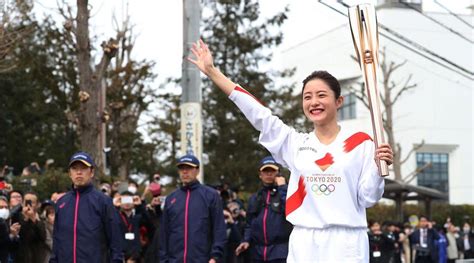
pixel 268 162
pixel 83 157
pixel 188 159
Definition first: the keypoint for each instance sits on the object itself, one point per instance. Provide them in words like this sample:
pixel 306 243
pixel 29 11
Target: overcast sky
pixel 158 24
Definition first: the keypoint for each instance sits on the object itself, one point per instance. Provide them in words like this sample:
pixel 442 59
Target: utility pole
pixel 191 117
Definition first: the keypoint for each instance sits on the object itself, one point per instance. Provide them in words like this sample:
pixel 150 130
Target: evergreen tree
pixel 241 42
pixel 34 96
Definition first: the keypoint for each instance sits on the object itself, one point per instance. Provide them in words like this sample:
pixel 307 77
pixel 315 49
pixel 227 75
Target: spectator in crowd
pixel 442 245
pixel 405 242
pixel 149 231
pixel 16 198
pixel 30 247
pixel 5 245
pixel 233 237
pixel 466 241
pixel 106 189
pixel 452 250
pixel 238 215
pixel 132 216
pixel 151 247
pixel 267 231
pixel 132 187
pixel 192 226
pixel 86 227
pixel 47 215
pixel 381 245
pixel 423 241
pixel 154 188
pixel 393 233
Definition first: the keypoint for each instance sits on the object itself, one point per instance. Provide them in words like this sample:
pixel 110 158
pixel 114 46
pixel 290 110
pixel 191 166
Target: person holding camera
pixel 233 237
pixel 381 245
pixel 267 232
pixel 29 245
pixel 87 225
pixel 423 242
pixel 133 217
pixel 192 228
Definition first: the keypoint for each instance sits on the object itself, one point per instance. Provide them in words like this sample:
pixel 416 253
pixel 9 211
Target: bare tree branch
pixel 413 149
pixel 407 179
pixel 406 87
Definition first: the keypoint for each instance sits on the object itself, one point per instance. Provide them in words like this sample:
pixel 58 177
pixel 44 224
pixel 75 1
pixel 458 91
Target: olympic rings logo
pixel 323 189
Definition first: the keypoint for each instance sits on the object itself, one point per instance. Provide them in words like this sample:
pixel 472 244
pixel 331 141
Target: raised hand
pixel 204 60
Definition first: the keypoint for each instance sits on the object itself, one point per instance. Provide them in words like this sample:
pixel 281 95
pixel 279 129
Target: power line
pixel 462 72
pixel 437 22
pixel 419 46
pixel 453 14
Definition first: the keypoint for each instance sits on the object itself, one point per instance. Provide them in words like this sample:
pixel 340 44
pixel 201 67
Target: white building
pixel 439 110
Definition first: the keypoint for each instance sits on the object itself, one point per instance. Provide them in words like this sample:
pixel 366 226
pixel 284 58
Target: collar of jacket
pixel 82 190
pixel 268 187
pixel 191 186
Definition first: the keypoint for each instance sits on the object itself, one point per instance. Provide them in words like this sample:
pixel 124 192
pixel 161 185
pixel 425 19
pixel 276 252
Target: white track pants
pixel 329 245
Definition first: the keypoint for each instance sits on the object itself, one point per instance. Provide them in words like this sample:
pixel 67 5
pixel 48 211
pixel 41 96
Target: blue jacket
pixel 87 227
pixel 192 225
pixel 267 230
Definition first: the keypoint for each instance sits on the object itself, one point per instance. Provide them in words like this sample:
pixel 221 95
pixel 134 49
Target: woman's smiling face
pixel 319 102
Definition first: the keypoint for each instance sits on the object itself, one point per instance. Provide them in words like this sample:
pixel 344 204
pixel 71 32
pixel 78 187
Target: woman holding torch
pixel 334 174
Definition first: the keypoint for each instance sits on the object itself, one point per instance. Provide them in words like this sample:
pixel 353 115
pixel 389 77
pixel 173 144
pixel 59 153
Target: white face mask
pixel 466 229
pixel 4 213
pixel 132 189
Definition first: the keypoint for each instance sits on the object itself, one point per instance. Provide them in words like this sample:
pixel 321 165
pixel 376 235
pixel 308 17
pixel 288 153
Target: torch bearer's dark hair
pixel 329 79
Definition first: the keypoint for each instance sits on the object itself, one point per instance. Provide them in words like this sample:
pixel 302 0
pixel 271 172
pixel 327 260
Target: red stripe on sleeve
pixel 237 88
pixel 296 199
pixel 354 141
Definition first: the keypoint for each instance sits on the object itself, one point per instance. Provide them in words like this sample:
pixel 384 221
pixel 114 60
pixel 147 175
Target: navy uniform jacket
pixel 192 225
pixel 267 230
pixel 86 228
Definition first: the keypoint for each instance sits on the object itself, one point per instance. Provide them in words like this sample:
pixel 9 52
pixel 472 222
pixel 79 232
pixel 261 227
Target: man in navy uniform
pixel 192 227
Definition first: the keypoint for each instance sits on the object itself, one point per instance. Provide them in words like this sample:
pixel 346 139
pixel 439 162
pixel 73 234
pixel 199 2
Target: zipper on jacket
pixel 75 226
pixel 186 226
pixel 265 213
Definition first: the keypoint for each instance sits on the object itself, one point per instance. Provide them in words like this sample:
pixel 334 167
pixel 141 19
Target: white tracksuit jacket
pixel 329 185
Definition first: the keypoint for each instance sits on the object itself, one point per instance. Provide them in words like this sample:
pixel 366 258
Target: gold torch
pixel 363 23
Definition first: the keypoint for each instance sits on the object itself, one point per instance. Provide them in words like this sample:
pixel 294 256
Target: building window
pixel 436 174
pixel 348 109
